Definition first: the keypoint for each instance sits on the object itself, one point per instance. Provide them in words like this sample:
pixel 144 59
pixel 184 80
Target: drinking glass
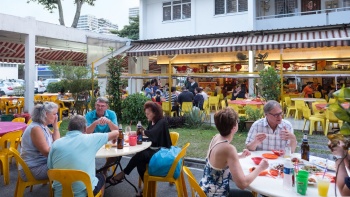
pixel 127 130
pixel 108 146
pixel 323 185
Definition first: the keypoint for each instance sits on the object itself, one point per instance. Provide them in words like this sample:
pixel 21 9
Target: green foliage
pixel 19 91
pixel 130 31
pixel 241 124
pixel 269 85
pixel 55 87
pixel 114 88
pixel 253 114
pixel 342 113
pixel 69 72
pixel 133 108
pixel 195 118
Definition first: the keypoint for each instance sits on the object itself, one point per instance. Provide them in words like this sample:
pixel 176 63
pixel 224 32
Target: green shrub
pixel 176 122
pixel 132 109
pixel 253 114
pixel 241 124
pixel 55 87
pixel 194 118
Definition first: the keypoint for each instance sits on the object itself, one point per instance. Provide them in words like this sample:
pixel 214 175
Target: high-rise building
pixel 91 23
pixel 133 12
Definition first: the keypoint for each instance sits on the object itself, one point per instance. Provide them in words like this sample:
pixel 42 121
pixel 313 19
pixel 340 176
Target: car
pixel 50 80
pixel 39 87
pixel 7 88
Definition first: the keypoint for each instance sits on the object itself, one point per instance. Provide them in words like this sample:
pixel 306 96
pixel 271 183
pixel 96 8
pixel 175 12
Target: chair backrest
pixel 314 108
pixel 213 100
pixel 206 104
pixel 306 112
pixel 66 177
pixel 9 140
pixel 166 106
pixel 195 188
pixel 288 101
pixel 331 100
pixel 186 106
pixel 20 162
pixel 176 161
pixel 59 124
pixel 19 119
pixel 234 107
pixel 174 137
pixel 299 104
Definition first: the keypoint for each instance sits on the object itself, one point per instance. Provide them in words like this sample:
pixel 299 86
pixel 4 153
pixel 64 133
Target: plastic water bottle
pixel 288 171
pixel 287 151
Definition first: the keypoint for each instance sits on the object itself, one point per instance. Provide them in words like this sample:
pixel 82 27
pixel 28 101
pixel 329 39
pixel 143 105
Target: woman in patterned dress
pixel 222 162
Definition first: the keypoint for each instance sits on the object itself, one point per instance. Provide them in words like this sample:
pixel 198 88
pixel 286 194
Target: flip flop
pixel 113 181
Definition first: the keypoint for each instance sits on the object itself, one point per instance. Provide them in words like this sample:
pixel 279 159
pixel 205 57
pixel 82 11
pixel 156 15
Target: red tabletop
pixel 6 127
pixel 246 102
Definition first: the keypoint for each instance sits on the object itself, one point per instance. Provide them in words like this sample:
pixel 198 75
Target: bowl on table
pixel 257 160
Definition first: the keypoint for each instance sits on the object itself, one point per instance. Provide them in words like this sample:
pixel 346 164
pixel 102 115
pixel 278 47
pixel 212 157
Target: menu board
pixel 298 66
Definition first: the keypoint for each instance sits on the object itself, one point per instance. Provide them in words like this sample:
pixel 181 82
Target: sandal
pixel 112 181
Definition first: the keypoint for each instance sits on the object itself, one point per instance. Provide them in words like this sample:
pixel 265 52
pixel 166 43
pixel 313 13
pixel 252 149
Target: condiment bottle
pixel 120 141
pixel 139 133
pixel 305 148
pixel 288 171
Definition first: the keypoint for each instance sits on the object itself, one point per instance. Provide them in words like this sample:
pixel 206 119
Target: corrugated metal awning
pixel 15 53
pixel 305 39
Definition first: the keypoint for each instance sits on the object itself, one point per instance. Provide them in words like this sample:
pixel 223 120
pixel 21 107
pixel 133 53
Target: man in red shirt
pixel 308 91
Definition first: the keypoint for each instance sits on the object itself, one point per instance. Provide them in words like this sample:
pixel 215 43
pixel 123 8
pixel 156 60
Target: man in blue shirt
pixel 77 151
pixel 101 120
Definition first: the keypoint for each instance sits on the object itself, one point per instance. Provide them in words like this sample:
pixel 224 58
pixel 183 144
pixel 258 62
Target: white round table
pixel 127 150
pixel 274 187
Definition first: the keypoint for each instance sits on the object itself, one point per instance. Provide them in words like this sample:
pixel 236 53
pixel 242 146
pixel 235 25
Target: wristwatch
pixel 336 157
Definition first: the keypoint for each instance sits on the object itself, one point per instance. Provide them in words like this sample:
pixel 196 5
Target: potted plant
pixel 269 84
pixel 252 115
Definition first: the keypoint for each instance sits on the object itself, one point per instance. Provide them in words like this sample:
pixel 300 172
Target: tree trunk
pixel 60 11
pixel 77 13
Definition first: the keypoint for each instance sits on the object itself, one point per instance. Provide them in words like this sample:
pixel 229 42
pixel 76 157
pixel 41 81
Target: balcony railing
pixel 303 13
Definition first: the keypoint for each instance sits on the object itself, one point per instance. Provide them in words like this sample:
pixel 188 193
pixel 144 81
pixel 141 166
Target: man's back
pixel 76 151
pixel 185 96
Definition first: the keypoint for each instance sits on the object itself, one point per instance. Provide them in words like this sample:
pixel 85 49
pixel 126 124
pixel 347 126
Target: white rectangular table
pixel 274 187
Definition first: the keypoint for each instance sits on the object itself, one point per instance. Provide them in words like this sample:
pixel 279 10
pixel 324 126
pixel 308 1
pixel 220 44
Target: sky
pixel 117 11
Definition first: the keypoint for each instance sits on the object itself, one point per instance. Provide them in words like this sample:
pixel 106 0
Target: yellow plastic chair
pixel 20 105
pixel 229 96
pixel 22 184
pixel 332 100
pixel 317 94
pixel 7 141
pixel 29 121
pixel 290 107
pixel 166 106
pixel 38 99
pixel 67 177
pixel 186 107
pixel 150 182
pixel 61 108
pixel 223 104
pixel 10 105
pixel 19 119
pixel 214 102
pixel 237 109
pixel 299 105
pixel 330 118
pixel 312 120
pixel 318 112
pixel 195 188
pixel 174 136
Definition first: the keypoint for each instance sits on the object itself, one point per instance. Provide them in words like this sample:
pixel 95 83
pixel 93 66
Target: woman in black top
pixel 157 132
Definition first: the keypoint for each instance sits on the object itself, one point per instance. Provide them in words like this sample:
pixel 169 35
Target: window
pixel 176 10
pixel 230 6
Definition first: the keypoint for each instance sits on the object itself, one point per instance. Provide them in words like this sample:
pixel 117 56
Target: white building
pixel 134 12
pixel 91 23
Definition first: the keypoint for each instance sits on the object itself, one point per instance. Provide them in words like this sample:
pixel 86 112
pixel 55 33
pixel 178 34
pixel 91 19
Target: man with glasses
pixel 101 120
pixel 271 132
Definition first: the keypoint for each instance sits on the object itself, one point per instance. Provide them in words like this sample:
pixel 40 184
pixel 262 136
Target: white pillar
pixel 251 69
pixel 164 70
pixel 30 68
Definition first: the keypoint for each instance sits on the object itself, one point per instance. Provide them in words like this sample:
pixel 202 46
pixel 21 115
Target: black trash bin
pixel 7 118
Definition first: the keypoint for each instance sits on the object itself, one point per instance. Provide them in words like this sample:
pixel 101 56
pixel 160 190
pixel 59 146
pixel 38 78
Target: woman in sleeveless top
pixel 222 162
pixel 38 138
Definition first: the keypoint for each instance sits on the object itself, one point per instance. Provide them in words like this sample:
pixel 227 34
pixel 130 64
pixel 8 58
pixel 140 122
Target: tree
pixel 51 5
pixel 129 31
pixel 269 85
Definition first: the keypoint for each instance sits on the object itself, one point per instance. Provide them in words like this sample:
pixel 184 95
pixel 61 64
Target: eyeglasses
pixel 277 115
pixel 101 106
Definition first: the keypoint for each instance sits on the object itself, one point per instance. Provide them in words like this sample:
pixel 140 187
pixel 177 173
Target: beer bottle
pixel 139 133
pixel 305 148
pixel 120 141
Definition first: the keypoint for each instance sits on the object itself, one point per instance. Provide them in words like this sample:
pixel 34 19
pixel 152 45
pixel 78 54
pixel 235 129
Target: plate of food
pixel 311 169
pixel 277 166
pixel 311 180
pixel 322 163
pixel 269 156
pixel 297 161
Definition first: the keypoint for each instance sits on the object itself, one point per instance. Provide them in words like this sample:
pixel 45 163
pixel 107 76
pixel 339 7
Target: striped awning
pixel 269 41
pixel 15 53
